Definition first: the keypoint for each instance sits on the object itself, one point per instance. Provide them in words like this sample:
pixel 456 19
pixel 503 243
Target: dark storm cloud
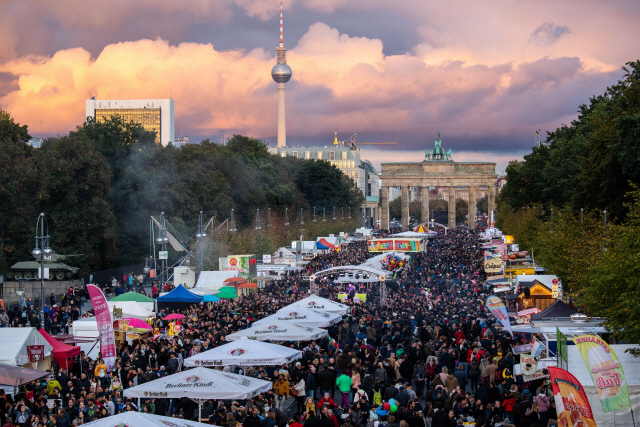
pixel 549 33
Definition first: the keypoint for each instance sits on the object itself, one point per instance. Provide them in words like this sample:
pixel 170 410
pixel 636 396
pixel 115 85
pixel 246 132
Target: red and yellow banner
pixel 606 372
pixel 572 404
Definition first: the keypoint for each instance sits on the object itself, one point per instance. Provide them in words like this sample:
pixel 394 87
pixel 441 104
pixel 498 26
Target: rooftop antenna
pixel 281 42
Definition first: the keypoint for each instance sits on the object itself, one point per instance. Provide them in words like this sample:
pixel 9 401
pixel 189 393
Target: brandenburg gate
pixel 436 170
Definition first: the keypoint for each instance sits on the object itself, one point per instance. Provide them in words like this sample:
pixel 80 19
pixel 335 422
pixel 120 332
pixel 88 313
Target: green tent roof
pixel 227 294
pixel 132 296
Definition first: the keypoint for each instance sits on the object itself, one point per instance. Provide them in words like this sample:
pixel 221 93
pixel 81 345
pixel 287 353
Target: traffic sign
pixel 554 281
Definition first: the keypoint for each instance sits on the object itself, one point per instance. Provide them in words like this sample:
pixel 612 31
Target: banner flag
pixel 537 348
pixel 105 326
pixel 499 310
pixel 561 343
pixel 572 404
pixel 606 372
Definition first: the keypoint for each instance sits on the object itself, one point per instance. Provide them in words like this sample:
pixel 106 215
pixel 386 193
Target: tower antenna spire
pixel 281 41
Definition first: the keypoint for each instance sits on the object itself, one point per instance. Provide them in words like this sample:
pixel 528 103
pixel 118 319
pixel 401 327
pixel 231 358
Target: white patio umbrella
pixel 302 316
pixel 321 304
pixel 142 419
pixel 201 384
pixel 279 331
pixel 245 352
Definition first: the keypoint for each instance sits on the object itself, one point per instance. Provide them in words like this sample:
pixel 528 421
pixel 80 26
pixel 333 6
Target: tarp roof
pixel 143 419
pixel 215 279
pixel 17 375
pixel 323 244
pixel 61 351
pixel 15 341
pixel 557 309
pixel 132 296
pixel 180 294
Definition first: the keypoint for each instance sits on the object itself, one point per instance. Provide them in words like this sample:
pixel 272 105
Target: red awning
pixel 61 352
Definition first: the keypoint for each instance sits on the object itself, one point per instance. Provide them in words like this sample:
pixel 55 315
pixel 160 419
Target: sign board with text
pixel 493 265
pixel 266 259
pixel 36 353
pixel 163 254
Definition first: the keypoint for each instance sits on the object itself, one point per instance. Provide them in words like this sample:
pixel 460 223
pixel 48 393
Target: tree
pixel 462 209
pixel 591 163
pixel 74 190
pixel 18 185
pixel 483 205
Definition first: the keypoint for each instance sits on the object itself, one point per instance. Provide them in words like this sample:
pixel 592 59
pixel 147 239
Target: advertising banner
pixel 245 264
pixel 606 372
pixel 536 349
pixel 105 326
pixel 528 312
pixel 493 265
pixel 572 404
pixel 123 325
pixel 266 259
pixel 528 364
pixel 497 307
pixel 380 245
pixel 356 298
pixel 561 346
pixel 405 245
pixel 36 353
pixel 525 348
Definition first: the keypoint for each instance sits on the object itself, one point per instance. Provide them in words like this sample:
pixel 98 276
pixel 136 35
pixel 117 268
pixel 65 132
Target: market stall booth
pixel 178 299
pixel 25 347
pixel 61 352
pixel 145 301
pixel 200 384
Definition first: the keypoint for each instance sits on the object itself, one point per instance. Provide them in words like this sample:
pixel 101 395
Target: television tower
pixel 281 73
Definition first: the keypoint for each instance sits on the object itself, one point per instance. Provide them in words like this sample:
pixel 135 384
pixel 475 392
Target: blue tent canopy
pixel 321 246
pixel 180 294
pixel 210 298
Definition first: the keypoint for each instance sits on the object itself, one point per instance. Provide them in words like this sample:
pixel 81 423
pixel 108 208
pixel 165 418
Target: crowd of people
pixel 430 356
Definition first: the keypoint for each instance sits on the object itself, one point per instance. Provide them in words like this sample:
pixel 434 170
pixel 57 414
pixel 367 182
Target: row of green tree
pixel 574 203
pixel 597 261
pixel 99 185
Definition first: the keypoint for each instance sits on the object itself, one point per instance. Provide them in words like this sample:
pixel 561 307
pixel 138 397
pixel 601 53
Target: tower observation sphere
pixel 281 73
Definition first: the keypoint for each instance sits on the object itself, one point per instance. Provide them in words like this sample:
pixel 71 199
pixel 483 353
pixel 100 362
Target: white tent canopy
pixel 409 234
pixel 214 279
pixel 142 419
pixel 302 316
pixel 320 304
pixel 279 331
pixel 201 383
pixel 131 309
pixel 245 352
pixel 15 342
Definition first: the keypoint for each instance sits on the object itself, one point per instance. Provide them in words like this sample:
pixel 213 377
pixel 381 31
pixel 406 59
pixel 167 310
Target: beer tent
pixel 302 316
pixel 141 419
pixel 321 304
pixel 245 352
pixel 200 384
pixel 279 331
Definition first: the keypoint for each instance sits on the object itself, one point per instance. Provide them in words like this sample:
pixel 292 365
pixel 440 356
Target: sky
pixel 485 74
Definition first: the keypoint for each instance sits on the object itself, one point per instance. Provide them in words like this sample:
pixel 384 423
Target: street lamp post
pixel 163 240
pixel 41 250
pixel 201 234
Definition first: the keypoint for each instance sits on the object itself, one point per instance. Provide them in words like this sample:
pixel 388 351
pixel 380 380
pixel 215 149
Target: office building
pixel 153 114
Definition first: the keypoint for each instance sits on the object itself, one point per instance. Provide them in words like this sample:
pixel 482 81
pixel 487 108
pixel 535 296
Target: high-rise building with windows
pixel 153 114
